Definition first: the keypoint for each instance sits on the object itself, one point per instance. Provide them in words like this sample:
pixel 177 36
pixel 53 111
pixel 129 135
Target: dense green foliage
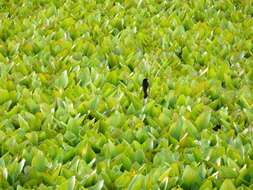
pixel 72 114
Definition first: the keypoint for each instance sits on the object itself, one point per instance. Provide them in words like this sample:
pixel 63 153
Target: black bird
pixel 145 85
pixel 217 127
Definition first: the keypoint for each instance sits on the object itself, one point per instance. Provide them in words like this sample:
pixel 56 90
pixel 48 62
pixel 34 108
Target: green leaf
pixel 123 160
pixel 4 96
pixel 62 81
pixel 216 152
pixel 39 162
pixel 14 169
pixel 98 186
pixel 228 172
pixel 190 176
pixel 176 129
pixel 207 185
pixel 203 120
pixel 69 184
pixel 139 156
pixel 123 181
pixel 84 77
pixel 32 137
pixel 23 123
pixel 2 136
pixel 136 183
pixel 228 184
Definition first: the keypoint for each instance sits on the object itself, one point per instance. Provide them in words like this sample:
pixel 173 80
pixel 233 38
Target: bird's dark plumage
pixel 145 85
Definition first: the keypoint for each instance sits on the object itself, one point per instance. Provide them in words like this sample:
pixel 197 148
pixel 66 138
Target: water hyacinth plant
pixel 72 109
